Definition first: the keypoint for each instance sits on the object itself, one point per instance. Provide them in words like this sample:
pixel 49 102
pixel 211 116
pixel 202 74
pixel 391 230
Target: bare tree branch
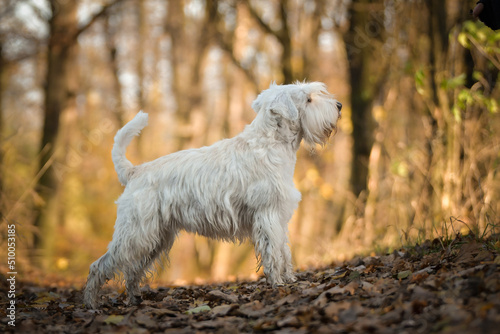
pixel 257 18
pixel 228 48
pixel 224 39
pixel 94 18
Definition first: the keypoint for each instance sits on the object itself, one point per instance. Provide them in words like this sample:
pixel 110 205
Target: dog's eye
pixel 309 100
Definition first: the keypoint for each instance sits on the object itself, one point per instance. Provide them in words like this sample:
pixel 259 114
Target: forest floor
pixel 441 286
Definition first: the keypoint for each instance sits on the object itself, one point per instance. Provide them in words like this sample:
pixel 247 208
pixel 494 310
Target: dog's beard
pixel 329 132
pixel 319 122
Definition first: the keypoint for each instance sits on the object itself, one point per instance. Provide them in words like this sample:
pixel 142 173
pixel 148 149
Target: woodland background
pixel 416 157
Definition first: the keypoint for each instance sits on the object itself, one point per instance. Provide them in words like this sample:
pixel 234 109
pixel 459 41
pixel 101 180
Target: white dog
pixel 236 189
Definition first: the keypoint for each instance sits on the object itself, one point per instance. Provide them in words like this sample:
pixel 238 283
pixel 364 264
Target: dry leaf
pixel 113 319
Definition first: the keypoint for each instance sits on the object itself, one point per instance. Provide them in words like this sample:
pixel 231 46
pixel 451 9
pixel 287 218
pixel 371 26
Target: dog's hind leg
pixel 133 278
pixel 138 268
pixel 100 271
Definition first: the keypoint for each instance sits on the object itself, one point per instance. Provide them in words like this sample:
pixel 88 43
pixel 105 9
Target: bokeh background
pixel 416 156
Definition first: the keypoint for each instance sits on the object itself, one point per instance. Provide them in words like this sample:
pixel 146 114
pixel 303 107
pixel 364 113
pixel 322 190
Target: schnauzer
pixel 239 188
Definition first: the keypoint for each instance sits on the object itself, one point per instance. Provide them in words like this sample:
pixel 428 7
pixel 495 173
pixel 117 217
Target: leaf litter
pixel 429 288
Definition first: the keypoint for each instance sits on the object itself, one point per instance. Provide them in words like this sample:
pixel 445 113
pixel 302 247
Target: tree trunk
pixel 310 47
pixel 283 36
pixel 59 90
pixel 118 111
pixel 359 53
pixel 63 27
pixel 2 70
pixel 188 51
pixel 142 30
pixel 286 42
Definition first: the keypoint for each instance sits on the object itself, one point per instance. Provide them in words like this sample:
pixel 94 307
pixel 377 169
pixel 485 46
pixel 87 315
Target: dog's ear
pixel 263 98
pixel 257 104
pixel 284 106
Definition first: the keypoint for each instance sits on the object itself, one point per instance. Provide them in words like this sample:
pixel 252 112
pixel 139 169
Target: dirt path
pixel 453 288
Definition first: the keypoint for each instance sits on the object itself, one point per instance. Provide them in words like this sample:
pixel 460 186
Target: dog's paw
pixel 135 301
pixel 92 306
pixel 90 302
pixel 290 278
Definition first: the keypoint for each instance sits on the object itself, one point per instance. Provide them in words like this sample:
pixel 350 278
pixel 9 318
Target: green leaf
pixel 456 114
pixel 353 275
pixel 199 309
pixel 492 105
pixel 477 75
pixel 113 319
pixel 419 81
pixel 455 82
pixel 463 40
pixel 404 274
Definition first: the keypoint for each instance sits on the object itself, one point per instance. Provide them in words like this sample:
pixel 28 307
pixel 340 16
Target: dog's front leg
pixel 269 240
pixel 288 274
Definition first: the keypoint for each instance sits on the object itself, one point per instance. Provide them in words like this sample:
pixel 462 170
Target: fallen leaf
pixel 219 295
pixel 145 320
pixel 113 319
pixel 353 276
pixel 340 273
pixel 332 309
pixel 223 310
pixel 289 321
pixel 348 316
pixel 352 287
pixel 359 268
pixel 313 291
pixel 483 310
pixel 324 297
pixel 199 309
pixel 255 309
pixel 484 255
pixel 469 271
pixel 45 298
pixel 368 287
pixel 163 312
pixel 467 252
pixel 419 277
pixel 404 274
pixel 208 324
pixel 290 299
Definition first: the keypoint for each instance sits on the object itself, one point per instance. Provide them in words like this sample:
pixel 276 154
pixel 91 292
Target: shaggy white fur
pixel 236 189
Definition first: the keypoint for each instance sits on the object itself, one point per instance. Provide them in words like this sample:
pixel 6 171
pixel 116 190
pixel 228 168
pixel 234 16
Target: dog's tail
pixel 123 167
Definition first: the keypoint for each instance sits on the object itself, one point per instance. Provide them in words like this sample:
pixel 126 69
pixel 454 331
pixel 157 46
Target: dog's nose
pixel 339 106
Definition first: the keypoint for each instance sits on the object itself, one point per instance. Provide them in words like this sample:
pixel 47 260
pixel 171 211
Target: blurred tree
pixel 142 33
pixel 363 42
pixel 111 33
pixel 190 38
pixel 449 68
pixel 2 69
pixel 225 36
pixel 297 31
pixel 6 10
pixel 282 34
pixel 63 33
pixel 445 67
pixel 309 30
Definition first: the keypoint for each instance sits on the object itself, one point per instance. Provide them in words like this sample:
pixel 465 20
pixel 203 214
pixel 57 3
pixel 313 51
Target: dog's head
pixel 307 104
